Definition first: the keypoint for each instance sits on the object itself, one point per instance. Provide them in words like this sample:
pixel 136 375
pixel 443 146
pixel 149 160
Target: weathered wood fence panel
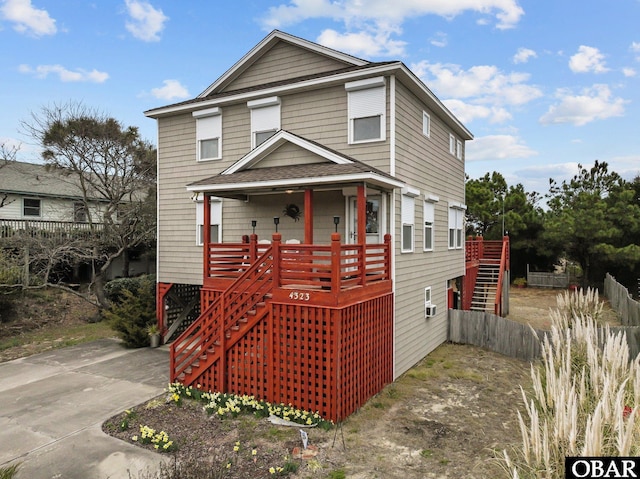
pixel 511 338
pixel 495 333
pixel 548 279
pixel 622 302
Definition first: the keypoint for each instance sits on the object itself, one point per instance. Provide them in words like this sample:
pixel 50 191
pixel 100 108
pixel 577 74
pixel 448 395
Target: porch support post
pixel 335 265
pixel 362 231
pixel 206 234
pixel 308 216
pixel 362 214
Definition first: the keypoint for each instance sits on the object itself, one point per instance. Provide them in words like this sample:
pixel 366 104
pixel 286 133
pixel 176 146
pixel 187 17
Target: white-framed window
pixel 216 221
pixel 456 222
pixel 459 149
pixel 429 219
pixel 79 212
pixel 208 134
pixel 265 119
pixel 31 207
pixel 427 295
pixel 366 110
pixel 452 144
pixel 426 124
pixel 408 219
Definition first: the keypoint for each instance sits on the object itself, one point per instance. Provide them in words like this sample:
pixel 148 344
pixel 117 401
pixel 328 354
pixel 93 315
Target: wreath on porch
pixel 292 211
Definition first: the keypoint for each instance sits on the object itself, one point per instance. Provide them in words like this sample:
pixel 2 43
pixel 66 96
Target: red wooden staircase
pixel 487 268
pixel 201 349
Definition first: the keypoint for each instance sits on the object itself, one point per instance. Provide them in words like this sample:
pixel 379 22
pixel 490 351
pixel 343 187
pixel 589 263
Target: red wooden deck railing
pixel 324 273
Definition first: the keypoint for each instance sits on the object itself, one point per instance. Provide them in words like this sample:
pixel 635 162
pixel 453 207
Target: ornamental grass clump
pixel 577 303
pixel 584 400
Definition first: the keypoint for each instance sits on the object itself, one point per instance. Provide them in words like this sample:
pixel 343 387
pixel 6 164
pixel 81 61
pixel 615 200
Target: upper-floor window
pixel 408 215
pixel 452 144
pixel 366 110
pixel 208 134
pixel 31 207
pixel 456 222
pixel 429 219
pixel 459 149
pixel 426 124
pixel 265 119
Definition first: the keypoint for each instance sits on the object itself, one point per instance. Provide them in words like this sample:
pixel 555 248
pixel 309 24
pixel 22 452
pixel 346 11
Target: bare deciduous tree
pixel 114 171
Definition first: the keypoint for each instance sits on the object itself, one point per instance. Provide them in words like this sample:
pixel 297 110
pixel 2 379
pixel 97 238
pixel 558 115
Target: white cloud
pixel 635 48
pixel 467 112
pixel 595 103
pixel 27 18
pixel 363 43
pixel 482 91
pixel 146 21
pixel 523 55
pixel 588 59
pixel 352 12
pixel 171 90
pixel 485 82
pixel 497 147
pixel 79 75
pixel 628 72
pixel 439 39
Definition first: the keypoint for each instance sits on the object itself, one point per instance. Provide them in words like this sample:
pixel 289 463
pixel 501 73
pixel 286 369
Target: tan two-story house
pixel 333 190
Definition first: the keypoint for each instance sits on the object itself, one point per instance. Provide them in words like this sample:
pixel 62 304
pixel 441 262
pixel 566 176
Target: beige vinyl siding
pixel 296 61
pixel 289 154
pixel 329 125
pixel 426 164
pixel 179 259
pixel 237 216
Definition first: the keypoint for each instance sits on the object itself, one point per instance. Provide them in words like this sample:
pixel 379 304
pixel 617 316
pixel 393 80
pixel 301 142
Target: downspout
pixel 392 209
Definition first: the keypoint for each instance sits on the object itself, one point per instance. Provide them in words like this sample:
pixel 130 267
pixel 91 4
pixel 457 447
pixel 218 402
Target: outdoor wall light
pixel 254 223
pixel 336 221
pixel 276 221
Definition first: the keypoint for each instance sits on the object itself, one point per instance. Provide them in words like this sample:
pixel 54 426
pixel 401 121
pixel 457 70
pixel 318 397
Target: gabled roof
pixel 31 179
pixel 354 69
pixel 264 46
pixel 279 139
pixel 243 178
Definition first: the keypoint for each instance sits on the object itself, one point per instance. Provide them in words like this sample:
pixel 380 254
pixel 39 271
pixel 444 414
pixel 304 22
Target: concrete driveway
pixel 52 406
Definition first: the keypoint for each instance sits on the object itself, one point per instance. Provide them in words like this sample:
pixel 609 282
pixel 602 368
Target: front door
pixel 374 218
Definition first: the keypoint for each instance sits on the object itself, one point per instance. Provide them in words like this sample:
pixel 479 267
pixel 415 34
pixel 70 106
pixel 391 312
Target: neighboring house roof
pixel 354 69
pixel 31 179
pixel 338 169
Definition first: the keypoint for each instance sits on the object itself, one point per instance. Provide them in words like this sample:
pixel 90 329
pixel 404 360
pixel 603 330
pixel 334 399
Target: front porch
pixel 305 324
pixel 316 274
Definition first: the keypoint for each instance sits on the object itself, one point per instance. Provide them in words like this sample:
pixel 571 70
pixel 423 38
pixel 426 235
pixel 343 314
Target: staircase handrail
pixel 497 302
pixel 207 328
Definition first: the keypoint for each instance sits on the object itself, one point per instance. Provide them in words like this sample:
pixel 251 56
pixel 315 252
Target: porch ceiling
pixel 281 178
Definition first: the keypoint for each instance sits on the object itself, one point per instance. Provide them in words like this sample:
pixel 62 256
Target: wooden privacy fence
pixel 622 302
pixel 548 279
pixel 511 338
pixel 495 333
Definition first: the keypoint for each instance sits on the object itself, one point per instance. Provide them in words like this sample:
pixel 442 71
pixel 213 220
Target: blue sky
pixel 542 84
